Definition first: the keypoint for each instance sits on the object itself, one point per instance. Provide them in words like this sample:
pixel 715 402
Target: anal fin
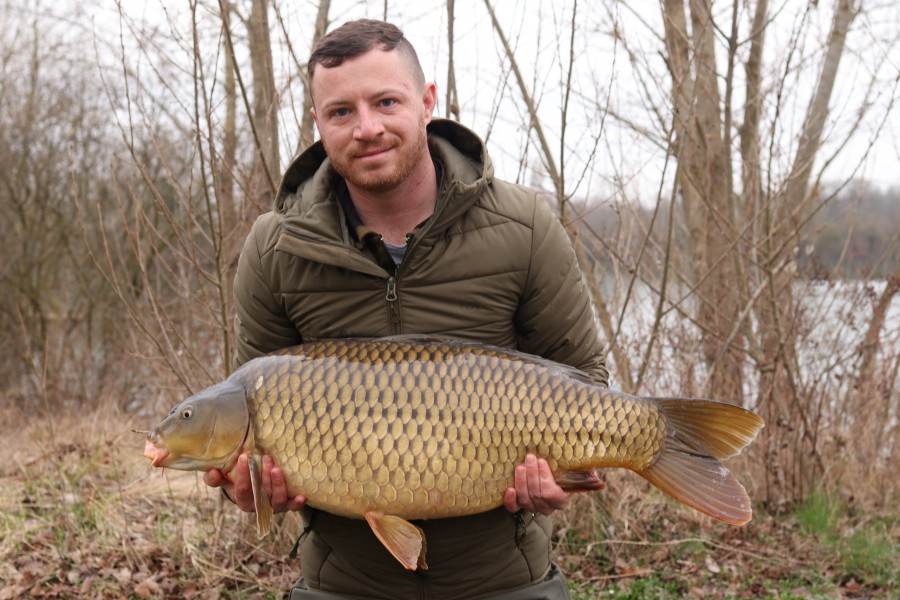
pixel 403 540
pixel 580 481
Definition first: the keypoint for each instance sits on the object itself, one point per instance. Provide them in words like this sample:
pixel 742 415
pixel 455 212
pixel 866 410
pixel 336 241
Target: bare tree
pixel 265 105
pixel 262 110
pixel 780 400
pixel 59 321
pixel 306 130
pixel 189 188
pixel 703 159
pixel 452 99
pixel 744 239
pixel 719 251
pixel 228 159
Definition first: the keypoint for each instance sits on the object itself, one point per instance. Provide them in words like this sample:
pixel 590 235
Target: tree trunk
pixel 307 133
pixel 265 111
pixel 790 440
pixel 702 176
pixel 452 103
pixel 228 161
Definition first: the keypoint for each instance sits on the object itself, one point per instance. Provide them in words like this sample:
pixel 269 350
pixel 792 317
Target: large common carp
pixel 415 428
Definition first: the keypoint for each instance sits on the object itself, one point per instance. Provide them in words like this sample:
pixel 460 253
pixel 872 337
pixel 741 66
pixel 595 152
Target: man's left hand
pixel 535 489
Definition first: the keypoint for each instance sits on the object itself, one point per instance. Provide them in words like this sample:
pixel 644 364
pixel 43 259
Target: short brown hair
pixel 358 37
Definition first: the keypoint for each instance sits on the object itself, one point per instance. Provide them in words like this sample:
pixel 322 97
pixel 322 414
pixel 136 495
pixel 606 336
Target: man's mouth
pixel 372 153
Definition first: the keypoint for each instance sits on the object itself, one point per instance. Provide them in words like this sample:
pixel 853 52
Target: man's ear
pixel 429 100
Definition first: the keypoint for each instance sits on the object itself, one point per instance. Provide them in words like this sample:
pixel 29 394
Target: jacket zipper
pixel 392 285
pixel 393 308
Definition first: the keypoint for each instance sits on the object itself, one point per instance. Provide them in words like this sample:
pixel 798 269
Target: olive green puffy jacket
pixel 492 264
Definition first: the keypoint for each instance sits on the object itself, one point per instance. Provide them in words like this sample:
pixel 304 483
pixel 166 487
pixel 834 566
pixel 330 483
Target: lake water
pixel 834 318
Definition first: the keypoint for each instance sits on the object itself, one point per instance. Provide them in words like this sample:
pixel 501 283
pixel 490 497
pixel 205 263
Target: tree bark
pixel 228 161
pixel 452 103
pixel 265 110
pixel 307 126
pixel 702 176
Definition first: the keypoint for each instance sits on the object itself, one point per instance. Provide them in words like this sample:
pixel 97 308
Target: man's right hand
pixel 241 489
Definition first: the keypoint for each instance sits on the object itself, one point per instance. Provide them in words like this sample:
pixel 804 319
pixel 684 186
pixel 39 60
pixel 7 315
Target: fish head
pixel 205 431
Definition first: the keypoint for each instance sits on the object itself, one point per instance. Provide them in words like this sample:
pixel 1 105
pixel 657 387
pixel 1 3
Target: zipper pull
pixel 391 290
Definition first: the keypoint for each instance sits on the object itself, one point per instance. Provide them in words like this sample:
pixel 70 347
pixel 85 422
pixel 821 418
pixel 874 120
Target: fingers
pixel 241 491
pixel 275 486
pixel 510 500
pixel 553 497
pixel 534 488
pixel 279 498
pixel 214 478
pixel 267 465
pixel 534 480
pixel 278 491
pixel 296 503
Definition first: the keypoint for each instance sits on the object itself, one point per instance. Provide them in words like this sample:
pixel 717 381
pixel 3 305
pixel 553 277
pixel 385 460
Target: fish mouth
pixel 156 453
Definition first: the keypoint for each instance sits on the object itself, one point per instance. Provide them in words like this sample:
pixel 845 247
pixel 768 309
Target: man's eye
pixel 387 102
pixel 340 112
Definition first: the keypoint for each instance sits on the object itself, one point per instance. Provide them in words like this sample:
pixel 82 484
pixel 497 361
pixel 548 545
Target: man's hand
pixel 241 490
pixel 535 489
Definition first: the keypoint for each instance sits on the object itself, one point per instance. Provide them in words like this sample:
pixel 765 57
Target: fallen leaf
pixel 123 575
pixel 86 585
pixel 146 589
pixel 12 591
pixel 687 567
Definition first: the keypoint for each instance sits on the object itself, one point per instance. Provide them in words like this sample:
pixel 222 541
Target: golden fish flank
pixel 415 428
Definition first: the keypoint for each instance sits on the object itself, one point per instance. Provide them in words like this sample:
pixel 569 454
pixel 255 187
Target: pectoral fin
pixel 260 499
pixel 404 541
pixel 580 481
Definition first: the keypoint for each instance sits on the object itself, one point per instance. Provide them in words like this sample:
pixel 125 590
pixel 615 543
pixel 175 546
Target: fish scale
pixel 406 428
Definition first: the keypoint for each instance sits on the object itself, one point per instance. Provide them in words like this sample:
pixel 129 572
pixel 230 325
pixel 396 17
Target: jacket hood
pixel 306 193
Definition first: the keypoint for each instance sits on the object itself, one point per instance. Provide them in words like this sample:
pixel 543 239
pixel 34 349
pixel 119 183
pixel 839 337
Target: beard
pixel 387 176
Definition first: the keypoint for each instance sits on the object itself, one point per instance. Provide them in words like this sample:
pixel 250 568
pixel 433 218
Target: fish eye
pixel 186 413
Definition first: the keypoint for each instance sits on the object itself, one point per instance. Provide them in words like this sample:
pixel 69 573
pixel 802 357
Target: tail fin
pixel 700 433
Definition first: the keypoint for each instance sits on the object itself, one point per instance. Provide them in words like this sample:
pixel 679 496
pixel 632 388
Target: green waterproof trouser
pixel 553 587
pixel 491 555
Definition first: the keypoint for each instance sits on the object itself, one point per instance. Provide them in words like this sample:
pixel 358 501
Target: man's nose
pixel 368 125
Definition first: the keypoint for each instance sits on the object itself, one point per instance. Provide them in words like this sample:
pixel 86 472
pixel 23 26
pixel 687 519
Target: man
pixel 393 224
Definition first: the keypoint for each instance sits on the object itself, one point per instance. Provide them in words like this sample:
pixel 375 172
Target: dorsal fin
pixel 482 348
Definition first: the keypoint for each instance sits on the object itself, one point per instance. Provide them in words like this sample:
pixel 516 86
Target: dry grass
pixel 83 517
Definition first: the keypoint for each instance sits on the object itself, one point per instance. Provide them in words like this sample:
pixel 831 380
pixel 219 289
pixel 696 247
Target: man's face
pixel 371 114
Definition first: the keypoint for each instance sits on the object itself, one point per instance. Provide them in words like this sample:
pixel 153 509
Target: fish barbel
pixel 411 427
